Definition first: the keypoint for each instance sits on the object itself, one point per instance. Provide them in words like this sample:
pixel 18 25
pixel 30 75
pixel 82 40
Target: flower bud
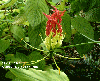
pixel 53 42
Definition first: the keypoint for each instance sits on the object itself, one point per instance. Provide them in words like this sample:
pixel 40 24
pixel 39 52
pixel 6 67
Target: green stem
pixel 41 37
pixel 55 62
pixel 33 47
pixel 51 54
pixel 40 60
pixel 80 44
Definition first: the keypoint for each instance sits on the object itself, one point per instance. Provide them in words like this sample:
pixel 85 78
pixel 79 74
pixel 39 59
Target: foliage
pixel 8 3
pixel 38 75
pixel 34 12
pixel 66 26
pixel 22 35
pixel 4 44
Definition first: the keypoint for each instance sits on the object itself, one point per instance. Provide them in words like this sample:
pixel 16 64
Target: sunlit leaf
pixel 38 75
pixel 33 11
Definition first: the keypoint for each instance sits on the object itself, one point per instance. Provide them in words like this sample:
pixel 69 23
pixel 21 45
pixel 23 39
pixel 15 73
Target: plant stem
pixel 80 44
pixel 56 65
pixel 41 59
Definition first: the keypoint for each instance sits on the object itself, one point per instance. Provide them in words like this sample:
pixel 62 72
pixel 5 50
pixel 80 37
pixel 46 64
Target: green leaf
pixel 9 56
pixel 33 11
pixel 16 79
pixel 83 26
pixel 82 49
pixel 93 15
pixel 62 5
pixel 66 27
pixel 92 4
pixel 58 50
pixel 1 2
pixel 33 34
pixel 48 67
pixel 43 46
pixel 38 75
pixel 76 6
pixel 2 27
pixel 12 58
pixel 1 15
pixel 22 56
pixel 10 75
pixel 52 4
pixel 4 44
pixel 49 0
pixel 84 4
pixel 1 63
pixel 34 56
pixel 20 18
pixel 18 32
pixel 7 4
pixel 55 1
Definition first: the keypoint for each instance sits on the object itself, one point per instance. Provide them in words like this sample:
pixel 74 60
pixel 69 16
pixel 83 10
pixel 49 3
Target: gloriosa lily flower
pixel 54 35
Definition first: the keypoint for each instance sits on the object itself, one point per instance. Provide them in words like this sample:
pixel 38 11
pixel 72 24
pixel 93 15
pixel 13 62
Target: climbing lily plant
pixel 54 36
pixel 47 31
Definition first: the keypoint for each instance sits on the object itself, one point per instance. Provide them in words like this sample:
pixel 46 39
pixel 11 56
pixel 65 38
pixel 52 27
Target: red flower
pixel 53 21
